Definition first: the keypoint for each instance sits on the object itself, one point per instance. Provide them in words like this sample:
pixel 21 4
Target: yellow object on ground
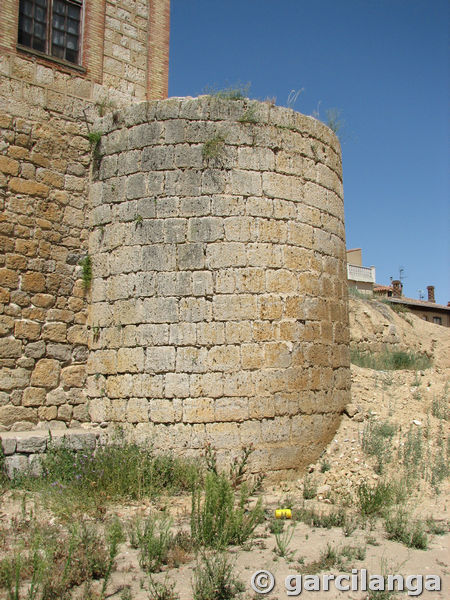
pixel 283 513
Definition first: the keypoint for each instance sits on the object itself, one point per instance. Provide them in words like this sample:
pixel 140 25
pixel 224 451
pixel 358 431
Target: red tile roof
pixel 419 303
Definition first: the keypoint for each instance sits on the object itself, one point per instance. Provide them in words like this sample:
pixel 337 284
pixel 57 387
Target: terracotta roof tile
pixel 414 302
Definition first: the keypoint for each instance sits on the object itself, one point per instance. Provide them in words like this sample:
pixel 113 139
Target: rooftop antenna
pixel 401 270
pixel 421 294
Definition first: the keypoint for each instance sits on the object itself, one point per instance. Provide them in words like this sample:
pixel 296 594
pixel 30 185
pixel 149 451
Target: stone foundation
pixel 22 450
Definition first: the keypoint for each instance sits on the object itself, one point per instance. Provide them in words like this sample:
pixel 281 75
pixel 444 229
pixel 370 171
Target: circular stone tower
pixel 219 295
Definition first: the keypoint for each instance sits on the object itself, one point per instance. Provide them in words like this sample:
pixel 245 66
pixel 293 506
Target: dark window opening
pixel 437 320
pixel 52 27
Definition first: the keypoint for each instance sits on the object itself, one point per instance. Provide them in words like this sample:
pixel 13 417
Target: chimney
pixel 430 289
pixel 397 288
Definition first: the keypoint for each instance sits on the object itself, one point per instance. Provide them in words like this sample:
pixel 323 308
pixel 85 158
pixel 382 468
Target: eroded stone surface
pixel 219 289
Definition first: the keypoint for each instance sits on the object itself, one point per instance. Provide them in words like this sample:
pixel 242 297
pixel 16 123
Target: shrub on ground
pixel 221 516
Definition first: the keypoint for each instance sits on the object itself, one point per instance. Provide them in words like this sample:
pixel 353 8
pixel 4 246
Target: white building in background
pixel 359 278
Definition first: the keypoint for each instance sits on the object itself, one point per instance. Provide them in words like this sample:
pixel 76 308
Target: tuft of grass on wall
pixel 213 148
pixel 238 91
pixel 86 275
pixel 249 116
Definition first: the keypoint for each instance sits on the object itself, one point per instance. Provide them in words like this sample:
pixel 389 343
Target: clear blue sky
pixel 384 64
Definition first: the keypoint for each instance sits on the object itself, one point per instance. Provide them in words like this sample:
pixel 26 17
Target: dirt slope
pixel 375 326
pixel 404 398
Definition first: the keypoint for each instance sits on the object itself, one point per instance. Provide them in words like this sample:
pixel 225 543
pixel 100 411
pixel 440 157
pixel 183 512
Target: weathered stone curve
pixel 219 308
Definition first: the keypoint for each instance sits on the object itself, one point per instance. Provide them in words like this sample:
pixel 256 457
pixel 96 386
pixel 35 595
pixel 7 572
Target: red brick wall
pixel 158 55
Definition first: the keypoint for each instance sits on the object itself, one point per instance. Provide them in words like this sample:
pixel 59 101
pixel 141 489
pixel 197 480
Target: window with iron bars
pixel 52 27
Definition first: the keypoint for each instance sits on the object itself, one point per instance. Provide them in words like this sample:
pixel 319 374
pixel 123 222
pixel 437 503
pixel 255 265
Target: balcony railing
pixel 357 273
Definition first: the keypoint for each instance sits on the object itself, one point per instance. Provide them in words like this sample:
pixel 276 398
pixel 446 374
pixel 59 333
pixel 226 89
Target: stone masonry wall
pixel 219 308
pixel 136 58
pixel 43 343
pixel 46 113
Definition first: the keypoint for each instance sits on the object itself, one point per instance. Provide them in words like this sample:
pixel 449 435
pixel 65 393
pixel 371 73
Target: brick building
pixel 428 310
pixel 62 63
pixel 100 50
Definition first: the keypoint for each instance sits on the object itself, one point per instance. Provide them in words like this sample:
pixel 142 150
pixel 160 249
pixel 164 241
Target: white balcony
pixel 357 273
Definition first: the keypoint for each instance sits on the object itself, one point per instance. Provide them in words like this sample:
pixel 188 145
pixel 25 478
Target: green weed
pixel 213 148
pixel 377 441
pixel 349 526
pixel 87 479
pixel 436 527
pixel 390 360
pixel 222 516
pixel 416 382
pixel 399 528
pixel 80 558
pixel 126 594
pixel 237 473
pixel 325 466
pixel 86 276
pixel 283 540
pixel 214 579
pixel 329 559
pixel 353 552
pixel 413 452
pixel 162 591
pixel 372 541
pixel 154 540
pixel 309 516
pixel 440 468
pixel 309 488
pixel 439 407
pixel 115 535
pixel 10 576
pixel 374 500
pixel 275 526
